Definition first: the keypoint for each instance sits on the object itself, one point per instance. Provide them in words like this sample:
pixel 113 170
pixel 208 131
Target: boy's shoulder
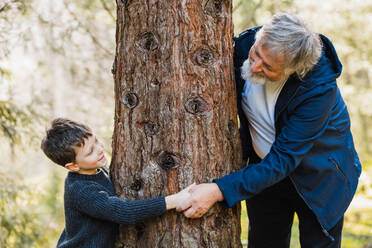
pixel 76 184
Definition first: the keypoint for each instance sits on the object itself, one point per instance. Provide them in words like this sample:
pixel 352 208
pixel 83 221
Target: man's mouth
pixel 258 75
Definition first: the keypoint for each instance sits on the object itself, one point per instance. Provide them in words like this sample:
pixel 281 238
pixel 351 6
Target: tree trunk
pixel 175 115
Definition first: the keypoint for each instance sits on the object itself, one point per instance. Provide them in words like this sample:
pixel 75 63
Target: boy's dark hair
pixel 60 139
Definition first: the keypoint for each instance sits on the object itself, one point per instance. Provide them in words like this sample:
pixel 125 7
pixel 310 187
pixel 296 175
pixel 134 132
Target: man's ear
pixel 72 167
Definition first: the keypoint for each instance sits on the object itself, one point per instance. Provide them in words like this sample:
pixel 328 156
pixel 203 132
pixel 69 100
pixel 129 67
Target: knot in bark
pixel 130 100
pixel 148 42
pixel 203 57
pixel 151 128
pixel 140 228
pixel 196 106
pixel 214 7
pixel 136 185
pixel 167 160
pixel 154 83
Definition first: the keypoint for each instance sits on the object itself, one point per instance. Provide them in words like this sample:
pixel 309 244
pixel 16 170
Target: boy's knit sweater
pixel 93 211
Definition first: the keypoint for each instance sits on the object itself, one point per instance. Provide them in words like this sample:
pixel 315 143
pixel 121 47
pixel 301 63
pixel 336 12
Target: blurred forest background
pixel 56 59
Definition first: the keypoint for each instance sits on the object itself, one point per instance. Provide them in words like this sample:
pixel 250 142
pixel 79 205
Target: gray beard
pixel 248 75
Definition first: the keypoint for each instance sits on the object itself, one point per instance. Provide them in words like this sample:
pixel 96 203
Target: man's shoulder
pixel 249 33
pixel 244 42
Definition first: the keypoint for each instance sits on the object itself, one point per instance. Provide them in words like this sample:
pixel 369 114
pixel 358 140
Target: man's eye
pixel 268 68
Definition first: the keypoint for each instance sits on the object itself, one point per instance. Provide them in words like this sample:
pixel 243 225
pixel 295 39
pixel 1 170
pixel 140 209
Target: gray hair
pixel 287 34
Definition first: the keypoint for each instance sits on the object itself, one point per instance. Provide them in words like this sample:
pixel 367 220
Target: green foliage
pixel 16 122
pixel 25 219
pixel 8 28
pixel 250 13
pixel 19 124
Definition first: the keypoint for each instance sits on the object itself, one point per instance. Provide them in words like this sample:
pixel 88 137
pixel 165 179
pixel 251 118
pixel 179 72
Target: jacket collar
pixel 326 71
pixel 288 92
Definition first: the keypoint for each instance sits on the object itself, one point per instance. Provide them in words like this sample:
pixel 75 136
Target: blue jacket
pixel 313 143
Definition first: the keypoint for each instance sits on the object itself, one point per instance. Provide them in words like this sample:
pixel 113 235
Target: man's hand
pixel 203 197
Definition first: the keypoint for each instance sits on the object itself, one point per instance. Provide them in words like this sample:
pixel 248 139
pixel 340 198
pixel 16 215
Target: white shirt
pixel 258 103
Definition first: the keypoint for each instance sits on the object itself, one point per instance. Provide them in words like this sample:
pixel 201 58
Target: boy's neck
pixel 88 172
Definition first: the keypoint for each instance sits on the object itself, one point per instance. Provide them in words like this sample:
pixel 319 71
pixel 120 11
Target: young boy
pixel 92 209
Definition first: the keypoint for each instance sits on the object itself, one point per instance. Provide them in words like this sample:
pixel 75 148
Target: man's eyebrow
pixel 265 64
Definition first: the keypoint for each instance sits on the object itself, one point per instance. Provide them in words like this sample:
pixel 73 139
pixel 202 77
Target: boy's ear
pixel 72 167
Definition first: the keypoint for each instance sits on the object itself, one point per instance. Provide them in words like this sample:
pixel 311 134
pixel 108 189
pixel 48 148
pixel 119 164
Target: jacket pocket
pixel 336 165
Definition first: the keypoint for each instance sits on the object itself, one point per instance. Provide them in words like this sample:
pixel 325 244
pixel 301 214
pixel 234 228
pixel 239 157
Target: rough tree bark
pixel 175 115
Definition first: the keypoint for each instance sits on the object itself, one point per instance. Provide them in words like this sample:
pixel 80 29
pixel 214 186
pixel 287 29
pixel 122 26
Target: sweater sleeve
pixel 306 124
pixel 94 201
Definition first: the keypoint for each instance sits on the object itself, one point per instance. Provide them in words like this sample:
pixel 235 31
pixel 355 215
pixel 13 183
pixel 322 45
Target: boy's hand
pixel 172 201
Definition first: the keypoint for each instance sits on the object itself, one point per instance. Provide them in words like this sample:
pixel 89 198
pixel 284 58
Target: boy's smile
pixel 89 157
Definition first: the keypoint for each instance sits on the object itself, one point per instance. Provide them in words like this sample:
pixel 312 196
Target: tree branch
pixel 4 7
pixel 87 30
pixel 237 6
pixel 107 9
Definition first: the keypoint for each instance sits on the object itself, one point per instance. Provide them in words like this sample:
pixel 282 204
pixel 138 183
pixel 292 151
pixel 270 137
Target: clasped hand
pixel 200 199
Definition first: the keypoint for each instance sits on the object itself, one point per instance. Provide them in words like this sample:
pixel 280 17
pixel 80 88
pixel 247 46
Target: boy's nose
pixel 100 148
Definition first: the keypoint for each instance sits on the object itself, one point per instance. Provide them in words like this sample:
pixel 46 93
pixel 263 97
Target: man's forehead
pixel 268 56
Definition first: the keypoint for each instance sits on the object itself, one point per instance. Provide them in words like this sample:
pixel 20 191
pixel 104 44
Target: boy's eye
pixel 90 152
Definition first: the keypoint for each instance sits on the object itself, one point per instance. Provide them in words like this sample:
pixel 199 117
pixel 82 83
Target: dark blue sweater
pixel 93 211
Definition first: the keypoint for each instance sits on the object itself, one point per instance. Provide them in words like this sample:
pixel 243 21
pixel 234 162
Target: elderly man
pixel 295 132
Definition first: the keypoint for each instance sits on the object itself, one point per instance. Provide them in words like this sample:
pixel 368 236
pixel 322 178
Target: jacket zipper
pixel 334 162
pixel 323 229
pixel 282 109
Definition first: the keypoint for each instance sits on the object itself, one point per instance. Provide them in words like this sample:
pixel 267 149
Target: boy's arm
pixel 96 202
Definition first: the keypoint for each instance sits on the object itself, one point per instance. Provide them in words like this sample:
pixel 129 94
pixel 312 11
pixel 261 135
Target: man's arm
pixel 304 126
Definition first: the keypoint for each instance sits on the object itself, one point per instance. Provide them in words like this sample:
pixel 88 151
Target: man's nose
pixel 257 66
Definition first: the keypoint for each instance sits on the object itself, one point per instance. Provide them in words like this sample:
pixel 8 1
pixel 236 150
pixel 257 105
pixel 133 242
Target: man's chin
pixel 247 75
pixel 264 80
pixel 258 81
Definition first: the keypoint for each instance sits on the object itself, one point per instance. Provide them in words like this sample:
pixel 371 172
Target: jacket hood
pixel 328 67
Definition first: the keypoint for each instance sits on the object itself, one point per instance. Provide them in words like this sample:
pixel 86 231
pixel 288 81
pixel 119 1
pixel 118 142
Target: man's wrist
pixel 217 192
